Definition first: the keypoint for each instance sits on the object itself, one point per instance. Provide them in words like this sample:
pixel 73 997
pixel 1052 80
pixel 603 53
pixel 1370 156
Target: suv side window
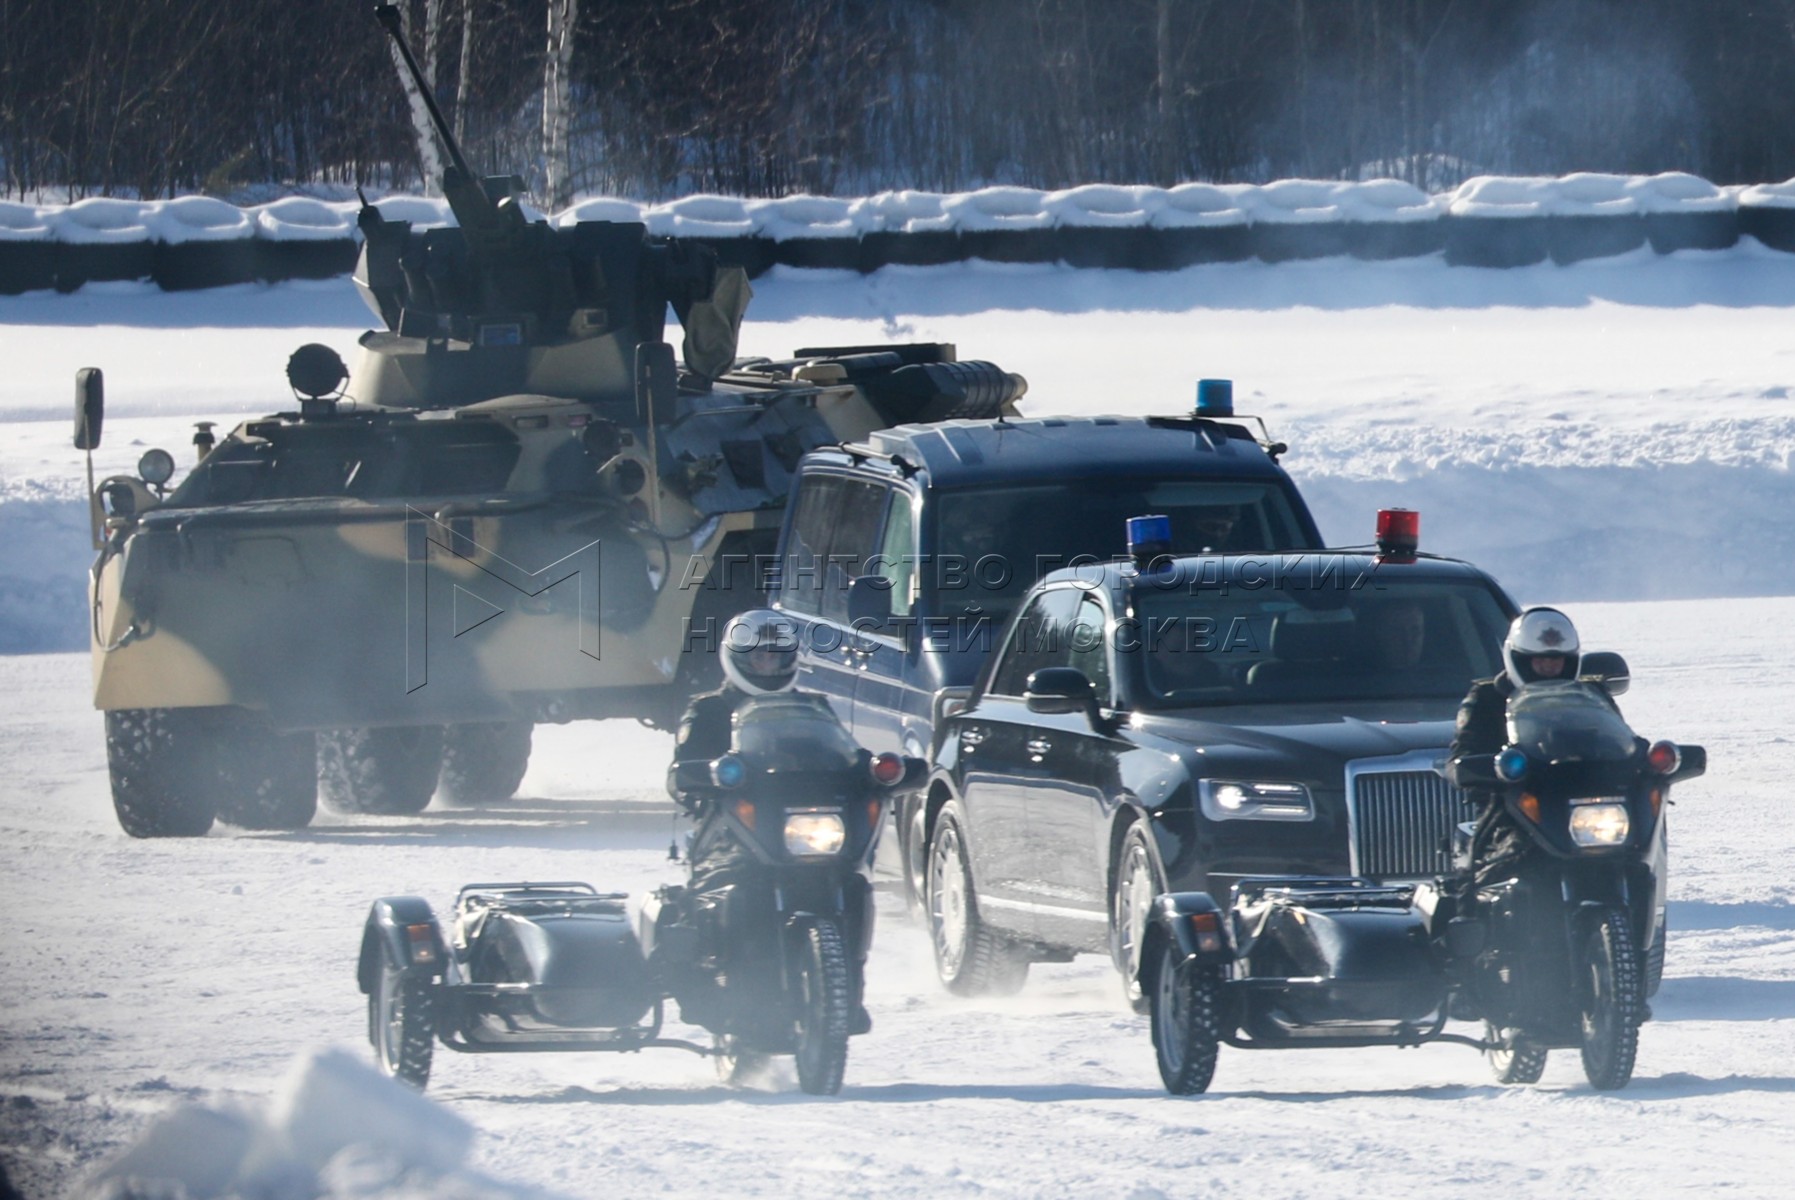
pixel 1089 646
pixel 896 562
pixel 1041 637
pixel 852 543
pixel 801 575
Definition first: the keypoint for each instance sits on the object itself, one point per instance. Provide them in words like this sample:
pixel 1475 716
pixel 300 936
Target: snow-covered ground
pixel 1605 432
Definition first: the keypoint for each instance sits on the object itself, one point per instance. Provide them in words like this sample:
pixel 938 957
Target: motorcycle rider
pixel 1541 645
pixel 759 653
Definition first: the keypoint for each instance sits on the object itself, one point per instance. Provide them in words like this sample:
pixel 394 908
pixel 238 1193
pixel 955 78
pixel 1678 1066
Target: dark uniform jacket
pixel 704 731
pixel 1482 721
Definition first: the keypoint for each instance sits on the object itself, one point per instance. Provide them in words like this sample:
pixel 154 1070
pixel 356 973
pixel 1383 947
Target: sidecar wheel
pixel 1184 1001
pixel 825 1005
pixel 402 1024
pixel 483 764
pixel 970 958
pixel 1524 1064
pixel 1612 1004
pixel 388 771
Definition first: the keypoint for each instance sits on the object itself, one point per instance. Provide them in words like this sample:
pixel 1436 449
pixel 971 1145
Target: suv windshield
pixel 1286 643
pixel 992 543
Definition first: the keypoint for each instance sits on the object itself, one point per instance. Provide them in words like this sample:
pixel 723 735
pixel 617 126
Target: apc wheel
pixel 1185 1006
pixel 1521 1064
pixel 971 959
pixel 1137 881
pixel 825 1007
pixel 160 762
pixel 402 1024
pixel 1612 1005
pixel 483 764
pixel 736 1063
pixel 389 771
pixel 267 780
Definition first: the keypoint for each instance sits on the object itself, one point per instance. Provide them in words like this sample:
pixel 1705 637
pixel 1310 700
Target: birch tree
pixel 557 64
pixel 430 154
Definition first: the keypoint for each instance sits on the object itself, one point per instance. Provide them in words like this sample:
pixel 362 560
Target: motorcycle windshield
pixel 1568 722
pixel 791 733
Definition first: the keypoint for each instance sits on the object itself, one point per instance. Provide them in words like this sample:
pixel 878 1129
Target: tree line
pixel 652 99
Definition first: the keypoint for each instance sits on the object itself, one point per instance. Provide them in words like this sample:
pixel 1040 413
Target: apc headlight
pixel 1236 800
pixel 814 833
pixel 1604 823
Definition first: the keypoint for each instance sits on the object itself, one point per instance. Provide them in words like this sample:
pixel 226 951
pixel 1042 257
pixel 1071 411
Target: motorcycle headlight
pixel 1236 800
pixel 814 833
pixel 1603 823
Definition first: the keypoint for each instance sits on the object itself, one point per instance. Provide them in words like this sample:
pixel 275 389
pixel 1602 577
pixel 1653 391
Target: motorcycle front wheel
pixel 825 1002
pixel 1612 1004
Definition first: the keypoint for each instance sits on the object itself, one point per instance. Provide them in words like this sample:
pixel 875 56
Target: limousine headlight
pixel 1241 800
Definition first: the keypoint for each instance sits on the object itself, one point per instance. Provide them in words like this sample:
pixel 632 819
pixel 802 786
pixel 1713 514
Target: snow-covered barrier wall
pixel 1490 221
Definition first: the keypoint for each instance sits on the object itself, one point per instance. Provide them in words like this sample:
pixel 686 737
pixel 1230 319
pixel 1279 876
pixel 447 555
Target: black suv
pixel 902 557
pixel 1180 724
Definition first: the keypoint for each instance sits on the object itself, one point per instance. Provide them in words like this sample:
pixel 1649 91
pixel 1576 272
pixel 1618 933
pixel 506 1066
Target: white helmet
pixel 1540 631
pixel 760 652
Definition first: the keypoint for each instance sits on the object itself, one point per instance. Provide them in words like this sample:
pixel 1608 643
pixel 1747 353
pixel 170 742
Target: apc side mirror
pixel 90 407
pixel 1060 690
pixel 1608 669
pixel 869 602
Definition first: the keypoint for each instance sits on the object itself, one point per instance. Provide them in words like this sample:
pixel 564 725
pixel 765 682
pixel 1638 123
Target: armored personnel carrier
pixel 515 507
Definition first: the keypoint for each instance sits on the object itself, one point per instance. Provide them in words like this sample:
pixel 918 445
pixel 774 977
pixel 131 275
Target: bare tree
pixel 430 154
pixel 557 64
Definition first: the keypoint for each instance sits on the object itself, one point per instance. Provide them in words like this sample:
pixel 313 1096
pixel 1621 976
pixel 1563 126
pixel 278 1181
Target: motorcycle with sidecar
pixel 768 960
pixel 1546 929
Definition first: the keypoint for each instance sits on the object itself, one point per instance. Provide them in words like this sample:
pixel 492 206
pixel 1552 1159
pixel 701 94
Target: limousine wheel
pixel 1137 881
pixel 971 959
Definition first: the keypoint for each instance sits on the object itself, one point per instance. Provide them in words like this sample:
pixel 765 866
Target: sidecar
pixel 1295 961
pixel 768 963
pixel 521 967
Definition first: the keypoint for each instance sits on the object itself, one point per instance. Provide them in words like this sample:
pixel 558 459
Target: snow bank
pixel 1489 221
pixel 23 223
pixel 335 1127
pixel 297 219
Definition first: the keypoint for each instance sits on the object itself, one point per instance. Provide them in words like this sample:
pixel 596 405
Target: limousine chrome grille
pixel 1400 815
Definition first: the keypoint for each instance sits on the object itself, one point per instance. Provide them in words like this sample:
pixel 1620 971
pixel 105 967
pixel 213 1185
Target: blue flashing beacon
pixel 1149 537
pixel 1215 397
